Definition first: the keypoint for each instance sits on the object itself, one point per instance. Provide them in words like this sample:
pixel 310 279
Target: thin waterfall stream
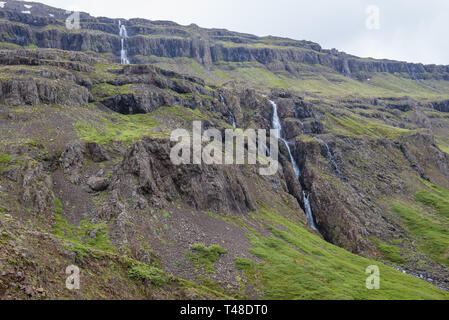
pixel 231 114
pixel 330 157
pixel 123 35
pixel 278 127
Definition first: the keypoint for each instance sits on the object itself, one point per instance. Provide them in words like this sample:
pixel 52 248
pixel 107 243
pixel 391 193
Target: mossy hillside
pixel 426 220
pixel 429 231
pixel 105 128
pixel 353 126
pixel 390 252
pixel 79 240
pixel 105 90
pixel 444 148
pixel 312 79
pixel 435 197
pixel 104 274
pixel 300 265
pixel 90 235
pixel 125 128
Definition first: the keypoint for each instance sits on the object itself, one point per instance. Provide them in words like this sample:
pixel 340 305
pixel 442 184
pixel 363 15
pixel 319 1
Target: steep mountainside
pixel 86 176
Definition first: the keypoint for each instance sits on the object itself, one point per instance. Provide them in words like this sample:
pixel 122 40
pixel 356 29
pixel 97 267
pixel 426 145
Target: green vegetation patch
pixel 389 252
pixel 85 236
pixel 106 90
pixel 358 126
pixel 430 231
pixel 5 159
pixel 298 264
pixel 243 263
pixel 437 198
pixel 142 272
pixel 206 257
pixel 126 128
pixel 444 148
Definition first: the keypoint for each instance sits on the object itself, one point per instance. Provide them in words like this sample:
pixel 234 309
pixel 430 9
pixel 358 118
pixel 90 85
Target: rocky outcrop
pixel 37 188
pixel 98 183
pixel 147 173
pixel 30 91
pixel 96 152
pixel 71 161
pixel 144 99
pixel 442 106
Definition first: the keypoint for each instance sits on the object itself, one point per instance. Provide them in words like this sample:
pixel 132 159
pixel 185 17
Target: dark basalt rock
pixel 148 171
pixel 96 152
pixel 442 106
pixel 40 91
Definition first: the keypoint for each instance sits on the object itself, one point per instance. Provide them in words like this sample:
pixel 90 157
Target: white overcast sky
pixel 410 30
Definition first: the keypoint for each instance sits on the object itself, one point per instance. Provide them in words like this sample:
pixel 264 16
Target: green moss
pixel 58 27
pixel 206 257
pixel 126 128
pixel 429 231
pixel 105 90
pixel 389 252
pixel 5 159
pixel 86 235
pixel 444 148
pixel 244 264
pixel 9 46
pixel 58 206
pixel 358 126
pixel 438 199
pixel 142 272
pixel 300 265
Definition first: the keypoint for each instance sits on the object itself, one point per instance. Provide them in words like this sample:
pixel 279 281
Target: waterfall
pixel 278 127
pixel 231 114
pixel 309 213
pixel 234 124
pixel 330 157
pixel 123 35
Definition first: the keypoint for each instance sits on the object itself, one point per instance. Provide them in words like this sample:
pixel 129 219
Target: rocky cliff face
pixel 209 188
pixel 45 27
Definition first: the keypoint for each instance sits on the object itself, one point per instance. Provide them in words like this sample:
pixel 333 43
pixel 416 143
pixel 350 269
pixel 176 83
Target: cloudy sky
pixel 410 30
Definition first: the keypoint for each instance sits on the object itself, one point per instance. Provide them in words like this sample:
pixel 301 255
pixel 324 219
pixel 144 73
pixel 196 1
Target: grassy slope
pixel 312 79
pixel 427 219
pixel 297 264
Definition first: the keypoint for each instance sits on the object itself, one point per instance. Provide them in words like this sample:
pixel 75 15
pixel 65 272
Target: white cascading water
pixel 234 124
pixel 330 157
pixel 222 100
pixel 278 127
pixel 309 213
pixel 123 35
